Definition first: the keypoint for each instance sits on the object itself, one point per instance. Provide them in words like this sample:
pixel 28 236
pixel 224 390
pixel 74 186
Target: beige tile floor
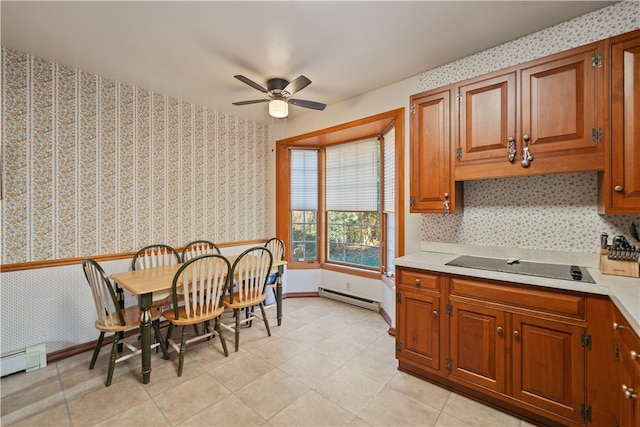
pixel 329 364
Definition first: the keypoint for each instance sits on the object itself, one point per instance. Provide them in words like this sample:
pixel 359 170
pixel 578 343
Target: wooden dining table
pixel 143 283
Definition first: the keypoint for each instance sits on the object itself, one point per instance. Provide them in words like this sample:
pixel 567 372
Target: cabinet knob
pixel 616 325
pixel 417 282
pixel 629 393
pixel 634 355
pixel 618 188
pixel 500 330
pixel 516 334
pixel 435 314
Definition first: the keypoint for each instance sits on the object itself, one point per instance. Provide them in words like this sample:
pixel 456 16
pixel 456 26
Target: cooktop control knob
pixel 576 273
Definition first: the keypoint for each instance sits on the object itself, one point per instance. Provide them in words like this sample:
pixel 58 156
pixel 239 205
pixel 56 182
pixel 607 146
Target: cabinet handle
pixel 516 334
pixel 418 282
pixel 618 188
pixel 616 325
pixel 500 330
pixel 629 393
pixel 435 314
pixel 526 155
pixel 446 205
pixel 634 355
pixel 511 148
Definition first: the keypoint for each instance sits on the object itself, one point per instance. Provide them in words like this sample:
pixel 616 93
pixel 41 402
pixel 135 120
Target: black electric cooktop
pixel 551 271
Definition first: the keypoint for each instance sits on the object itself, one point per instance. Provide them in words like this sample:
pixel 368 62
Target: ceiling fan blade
pixel 297 85
pixel 307 104
pixel 251 83
pixel 254 101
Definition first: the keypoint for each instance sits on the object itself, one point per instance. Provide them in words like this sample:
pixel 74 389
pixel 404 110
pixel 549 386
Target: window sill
pixel 312 265
pixel 303 265
pixel 390 282
pixel 361 272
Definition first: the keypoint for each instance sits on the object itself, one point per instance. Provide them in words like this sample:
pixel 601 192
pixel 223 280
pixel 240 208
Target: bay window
pixel 336 196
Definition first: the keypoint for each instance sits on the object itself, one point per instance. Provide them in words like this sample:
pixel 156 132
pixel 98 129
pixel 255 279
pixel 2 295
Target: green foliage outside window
pixel 304 231
pixel 354 238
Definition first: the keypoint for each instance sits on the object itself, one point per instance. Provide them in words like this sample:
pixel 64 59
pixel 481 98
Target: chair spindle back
pixel 203 282
pixel 154 256
pixel 104 296
pixel 251 271
pixel 198 248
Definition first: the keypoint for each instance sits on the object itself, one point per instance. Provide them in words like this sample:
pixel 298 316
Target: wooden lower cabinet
pixel 524 349
pixel 477 346
pixel 628 354
pixel 419 336
pixel 548 365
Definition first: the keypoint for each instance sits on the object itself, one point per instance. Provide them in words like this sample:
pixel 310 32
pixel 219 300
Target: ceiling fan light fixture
pixel 278 108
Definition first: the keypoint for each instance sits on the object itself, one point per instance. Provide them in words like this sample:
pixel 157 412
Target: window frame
pixel 370 127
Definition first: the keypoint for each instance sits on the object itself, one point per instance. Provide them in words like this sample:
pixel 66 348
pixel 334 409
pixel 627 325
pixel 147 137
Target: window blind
pixel 352 176
pixel 389 171
pixel 304 180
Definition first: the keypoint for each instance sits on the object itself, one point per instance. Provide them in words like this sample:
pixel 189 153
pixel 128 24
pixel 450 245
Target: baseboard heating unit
pixel 27 359
pixel 349 299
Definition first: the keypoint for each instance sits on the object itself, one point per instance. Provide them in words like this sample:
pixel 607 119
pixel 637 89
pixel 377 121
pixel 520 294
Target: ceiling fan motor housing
pixel 276 85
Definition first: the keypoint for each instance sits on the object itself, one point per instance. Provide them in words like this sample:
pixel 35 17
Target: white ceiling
pixel 192 50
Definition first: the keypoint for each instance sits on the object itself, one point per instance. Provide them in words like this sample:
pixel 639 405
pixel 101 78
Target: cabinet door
pixel 478 346
pixel 486 119
pixel 548 365
pixel 629 387
pixel 418 331
pixel 560 109
pixel 430 167
pixel 622 174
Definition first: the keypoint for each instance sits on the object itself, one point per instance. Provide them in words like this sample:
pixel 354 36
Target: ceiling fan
pixel 279 92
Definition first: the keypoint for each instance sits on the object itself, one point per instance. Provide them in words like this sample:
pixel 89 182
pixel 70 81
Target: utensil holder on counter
pixel 619 263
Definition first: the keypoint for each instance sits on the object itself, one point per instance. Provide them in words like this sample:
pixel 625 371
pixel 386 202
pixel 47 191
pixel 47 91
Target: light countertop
pixel 623 291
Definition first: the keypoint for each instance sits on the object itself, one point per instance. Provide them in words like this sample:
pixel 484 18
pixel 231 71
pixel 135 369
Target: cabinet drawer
pixel 545 301
pixel 418 280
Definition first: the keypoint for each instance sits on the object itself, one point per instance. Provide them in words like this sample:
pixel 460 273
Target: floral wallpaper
pixel 94 166
pixel 554 212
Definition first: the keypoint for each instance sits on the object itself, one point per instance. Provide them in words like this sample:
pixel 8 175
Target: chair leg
pixel 160 340
pixel 236 314
pixel 251 314
pixel 183 344
pixel 112 359
pixel 169 332
pixel 96 351
pixel 195 328
pixel 205 329
pixel 264 317
pixel 222 340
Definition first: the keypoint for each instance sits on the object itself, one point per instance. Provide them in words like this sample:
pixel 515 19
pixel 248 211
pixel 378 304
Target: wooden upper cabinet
pixel 550 107
pixel 619 187
pixel 486 118
pixel 432 187
pixel 560 104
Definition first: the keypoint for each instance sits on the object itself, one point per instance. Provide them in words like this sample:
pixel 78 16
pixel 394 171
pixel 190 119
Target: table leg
pixel 145 336
pixel 279 294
